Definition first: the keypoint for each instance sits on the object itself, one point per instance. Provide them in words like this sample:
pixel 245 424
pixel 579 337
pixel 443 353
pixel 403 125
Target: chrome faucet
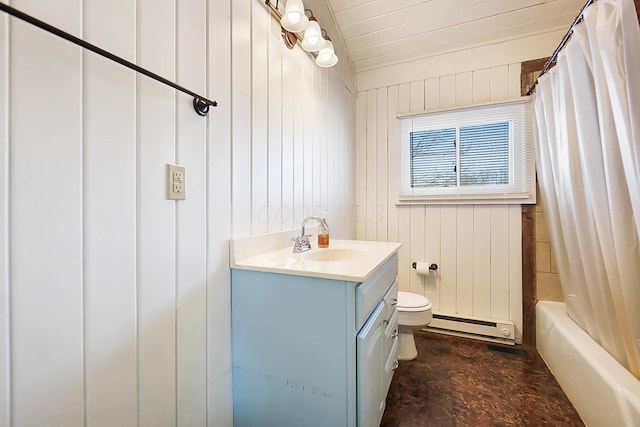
pixel 302 243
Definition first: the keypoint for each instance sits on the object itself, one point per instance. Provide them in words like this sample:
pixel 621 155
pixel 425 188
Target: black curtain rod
pixel 565 39
pixel 200 103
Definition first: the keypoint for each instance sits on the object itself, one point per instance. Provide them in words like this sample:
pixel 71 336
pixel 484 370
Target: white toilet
pixel 414 313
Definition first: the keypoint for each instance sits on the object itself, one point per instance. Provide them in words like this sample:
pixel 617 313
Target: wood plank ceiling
pixel 384 32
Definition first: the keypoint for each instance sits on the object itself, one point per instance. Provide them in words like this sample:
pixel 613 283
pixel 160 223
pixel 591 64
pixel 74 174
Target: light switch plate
pixel 176 182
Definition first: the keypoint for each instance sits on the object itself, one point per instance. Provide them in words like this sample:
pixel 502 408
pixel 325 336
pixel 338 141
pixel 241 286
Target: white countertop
pixel 352 260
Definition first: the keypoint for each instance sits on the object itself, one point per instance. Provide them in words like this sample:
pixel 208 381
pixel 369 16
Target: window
pixel 481 154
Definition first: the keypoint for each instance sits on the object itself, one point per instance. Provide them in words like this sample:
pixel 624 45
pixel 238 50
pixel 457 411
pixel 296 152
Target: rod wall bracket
pixel 201 106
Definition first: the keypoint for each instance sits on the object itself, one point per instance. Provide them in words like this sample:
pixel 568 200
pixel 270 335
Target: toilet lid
pixel 413 302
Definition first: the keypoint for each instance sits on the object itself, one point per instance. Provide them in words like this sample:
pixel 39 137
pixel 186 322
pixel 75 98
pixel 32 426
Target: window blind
pixel 481 153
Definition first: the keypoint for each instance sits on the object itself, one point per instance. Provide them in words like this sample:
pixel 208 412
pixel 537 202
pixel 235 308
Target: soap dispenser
pixel 323 231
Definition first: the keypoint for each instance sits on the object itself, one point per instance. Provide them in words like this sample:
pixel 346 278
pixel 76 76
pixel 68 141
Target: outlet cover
pixel 176 182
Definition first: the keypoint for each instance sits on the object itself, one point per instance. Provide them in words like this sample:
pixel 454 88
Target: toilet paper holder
pixel 433 266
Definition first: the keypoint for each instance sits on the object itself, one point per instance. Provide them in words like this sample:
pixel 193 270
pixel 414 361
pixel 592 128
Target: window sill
pixel 470 199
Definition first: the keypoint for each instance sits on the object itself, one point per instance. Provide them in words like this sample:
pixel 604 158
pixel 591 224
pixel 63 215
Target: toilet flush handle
pixel 394 302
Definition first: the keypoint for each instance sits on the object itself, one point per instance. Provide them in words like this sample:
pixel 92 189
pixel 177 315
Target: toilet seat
pixel 408 301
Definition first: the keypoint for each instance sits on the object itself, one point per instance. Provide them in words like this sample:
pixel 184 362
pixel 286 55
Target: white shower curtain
pixel 587 112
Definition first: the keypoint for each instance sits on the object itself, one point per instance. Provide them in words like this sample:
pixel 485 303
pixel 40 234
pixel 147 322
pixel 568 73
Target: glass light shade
pixel 294 19
pixel 313 40
pixel 327 56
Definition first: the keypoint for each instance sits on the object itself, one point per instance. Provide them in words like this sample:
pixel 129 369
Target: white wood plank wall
pixel 115 302
pixel 298 157
pixel 477 247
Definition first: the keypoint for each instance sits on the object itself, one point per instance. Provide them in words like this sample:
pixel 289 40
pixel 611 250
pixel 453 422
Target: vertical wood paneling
pixel 110 234
pixel 300 160
pixel 447 91
pixel 316 143
pixel 361 166
pixel 380 213
pixel 351 173
pixel 274 113
pixel 288 168
pixel 46 224
pixel 404 253
pixel 416 246
pixel 126 319
pixel 481 86
pixel 404 98
pixel 404 212
pixel 307 138
pixel 156 238
pixel 241 117
pixel 500 261
pixel 465 260
pixel 5 314
pixel 340 149
pixel 346 211
pixel 514 80
pixel 261 21
pixel 191 290
pixel 433 242
pixel 324 147
pixel 333 130
pixel 372 162
pixel 432 94
pixel 482 261
pixel 448 257
pixel 499 76
pixel 298 101
pixel 416 96
pixel 393 164
pixel 417 212
pixel 464 89
pixel 476 247
pixel 219 196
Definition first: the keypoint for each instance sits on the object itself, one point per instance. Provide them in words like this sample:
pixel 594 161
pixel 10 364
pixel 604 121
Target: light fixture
pixel 297 19
pixel 294 18
pixel 313 40
pixel 327 56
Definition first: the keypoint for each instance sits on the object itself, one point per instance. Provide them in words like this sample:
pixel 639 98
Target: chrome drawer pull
pixel 394 334
pixel 395 365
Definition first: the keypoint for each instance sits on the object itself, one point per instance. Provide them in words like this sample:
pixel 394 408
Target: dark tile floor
pixel 458 382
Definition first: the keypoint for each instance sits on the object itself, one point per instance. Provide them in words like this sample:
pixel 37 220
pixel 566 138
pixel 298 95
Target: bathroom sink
pixel 353 260
pixel 334 254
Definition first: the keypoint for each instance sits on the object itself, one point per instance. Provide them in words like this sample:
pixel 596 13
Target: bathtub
pixel 602 391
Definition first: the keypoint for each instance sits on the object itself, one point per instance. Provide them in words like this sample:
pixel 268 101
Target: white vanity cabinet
pixel 311 351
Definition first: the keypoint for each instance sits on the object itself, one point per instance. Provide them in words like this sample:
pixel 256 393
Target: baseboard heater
pixel 485 329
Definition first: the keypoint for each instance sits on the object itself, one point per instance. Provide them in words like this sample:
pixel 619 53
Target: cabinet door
pixel 371 384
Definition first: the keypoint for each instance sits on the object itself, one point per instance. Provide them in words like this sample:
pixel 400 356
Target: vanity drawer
pixel 390 350
pixel 370 292
pixel 390 333
pixel 390 366
pixel 391 300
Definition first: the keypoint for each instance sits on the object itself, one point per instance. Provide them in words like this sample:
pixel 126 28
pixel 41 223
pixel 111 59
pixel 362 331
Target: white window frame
pixel 521 188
